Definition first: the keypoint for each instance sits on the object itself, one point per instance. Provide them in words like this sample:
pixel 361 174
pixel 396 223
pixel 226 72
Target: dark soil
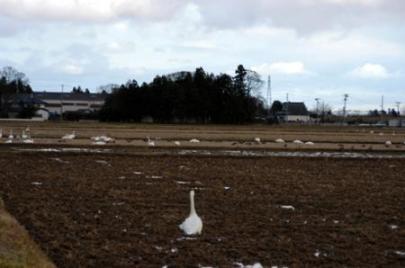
pixel 92 210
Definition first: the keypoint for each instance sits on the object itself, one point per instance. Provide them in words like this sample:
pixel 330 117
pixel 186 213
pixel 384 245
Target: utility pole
pixel 345 97
pixel 269 91
pixel 61 103
pixel 286 110
pixel 398 105
pixel 317 106
pixel 382 104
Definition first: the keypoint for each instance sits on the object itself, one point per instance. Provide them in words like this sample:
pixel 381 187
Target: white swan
pixel 388 143
pixel 280 141
pixel 193 224
pixel 194 141
pixel 102 138
pixel 150 142
pixel 309 143
pixel 257 139
pixel 24 135
pixel 298 142
pixel 69 136
pixel 177 143
pixel 11 136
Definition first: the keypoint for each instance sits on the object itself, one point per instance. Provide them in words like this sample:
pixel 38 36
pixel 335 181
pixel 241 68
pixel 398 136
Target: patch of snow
pixel 227 188
pixel 255 265
pixel 309 143
pixel 257 139
pixel 186 238
pixel 57 159
pixel 194 141
pixel 279 141
pixel 103 162
pixel 177 143
pixel 138 173
pixel 393 227
pixel 183 182
pixel 388 143
pixel 289 207
pixel 297 142
pixel 174 250
pixel 121 177
pixel 400 253
pixel 36 183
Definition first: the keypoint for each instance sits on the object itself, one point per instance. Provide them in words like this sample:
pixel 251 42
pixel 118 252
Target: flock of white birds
pixel 25 137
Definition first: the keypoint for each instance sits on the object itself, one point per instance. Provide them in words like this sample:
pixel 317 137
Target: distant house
pixel 294 112
pixel 18 104
pixel 53 104
pixel 57 103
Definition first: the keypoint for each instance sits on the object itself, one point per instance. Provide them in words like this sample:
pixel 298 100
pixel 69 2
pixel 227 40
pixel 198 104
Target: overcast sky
pixel 311 48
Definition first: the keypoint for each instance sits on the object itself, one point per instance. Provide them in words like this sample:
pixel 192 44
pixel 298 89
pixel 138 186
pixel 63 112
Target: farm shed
pixel 294 112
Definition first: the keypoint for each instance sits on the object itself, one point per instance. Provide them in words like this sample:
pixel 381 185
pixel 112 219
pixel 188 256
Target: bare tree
pixel 12 75
pixel 253 82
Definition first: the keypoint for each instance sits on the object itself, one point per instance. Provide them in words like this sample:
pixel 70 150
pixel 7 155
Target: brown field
pixel 121 208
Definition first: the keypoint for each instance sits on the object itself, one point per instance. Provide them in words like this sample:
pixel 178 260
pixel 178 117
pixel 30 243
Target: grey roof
pixel 26 99
pixel 70 96
pixel 295 108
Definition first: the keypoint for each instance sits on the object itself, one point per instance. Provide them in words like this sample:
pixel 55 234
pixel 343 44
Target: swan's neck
pixel 192 207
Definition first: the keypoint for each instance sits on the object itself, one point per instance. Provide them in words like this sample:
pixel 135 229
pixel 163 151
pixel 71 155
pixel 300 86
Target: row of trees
pixel 188 97
pixel 12 82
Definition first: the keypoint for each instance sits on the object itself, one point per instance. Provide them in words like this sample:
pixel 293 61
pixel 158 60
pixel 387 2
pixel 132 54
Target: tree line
pixel 197 97
pixel 12 82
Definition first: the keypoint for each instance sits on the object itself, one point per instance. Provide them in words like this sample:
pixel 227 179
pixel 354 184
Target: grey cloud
pixel 301 15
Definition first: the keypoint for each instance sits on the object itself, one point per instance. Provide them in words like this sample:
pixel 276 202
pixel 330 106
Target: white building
pixel 58 103
pixel 295 112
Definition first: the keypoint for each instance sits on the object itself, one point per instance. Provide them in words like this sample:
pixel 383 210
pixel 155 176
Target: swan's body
pixel 11 136
pixel 309 143
pixel 28 141
pixel 177 143
pixel 24 135
pixel 102 138
pixel 194 141
pixel 280 141
pixel 193 224
pixel 69 136
pixel 257 139
pixel 388 143
pixel 150 142
pixel 298 142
